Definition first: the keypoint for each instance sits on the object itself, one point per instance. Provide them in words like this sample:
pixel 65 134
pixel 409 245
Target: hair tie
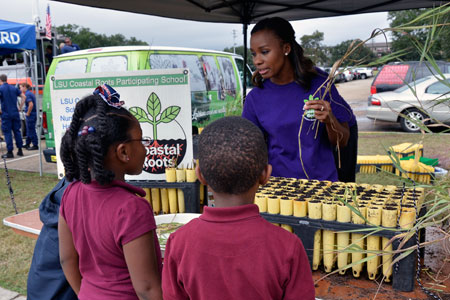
pixel 109 95
pixel 86 129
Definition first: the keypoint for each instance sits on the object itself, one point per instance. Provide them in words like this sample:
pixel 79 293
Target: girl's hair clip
pixel 109 95
pixel 86 130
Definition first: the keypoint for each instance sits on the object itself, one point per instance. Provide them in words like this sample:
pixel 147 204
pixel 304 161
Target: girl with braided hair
pixel 107 241
pixel 287 84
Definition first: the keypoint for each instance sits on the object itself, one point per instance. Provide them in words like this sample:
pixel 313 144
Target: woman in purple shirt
pixel 287 84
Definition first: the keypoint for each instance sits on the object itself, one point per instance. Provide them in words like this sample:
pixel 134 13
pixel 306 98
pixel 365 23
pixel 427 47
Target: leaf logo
pixel 154 116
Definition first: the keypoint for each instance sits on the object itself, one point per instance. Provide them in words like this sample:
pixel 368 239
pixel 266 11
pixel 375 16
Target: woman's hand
pixel 338 133
pixel 322 109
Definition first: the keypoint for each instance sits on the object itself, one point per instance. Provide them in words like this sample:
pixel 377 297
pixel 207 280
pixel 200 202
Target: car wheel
pixel 363 76
pixel 412 117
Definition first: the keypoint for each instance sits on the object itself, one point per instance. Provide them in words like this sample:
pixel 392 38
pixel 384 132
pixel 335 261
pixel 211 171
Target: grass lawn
pixel 29 190
pixel 16 250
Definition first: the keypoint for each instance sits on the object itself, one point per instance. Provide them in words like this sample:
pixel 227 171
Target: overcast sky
pixel 170 32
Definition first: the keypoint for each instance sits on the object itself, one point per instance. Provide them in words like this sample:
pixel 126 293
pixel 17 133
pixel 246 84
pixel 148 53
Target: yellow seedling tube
pixel 273 204
pixel 373 242
pixel 315 212
pixel 388 219
pixel 300 208
pixel 261 201
pixel 286 206
pixel 407 217
pixel 173 205
pixel 171 175
pixel 156 200
pixel 164 200
pixel 344 215
pixel 148 196
pixel 287 227
pixel 328 214
pixel 181 177
pixel 358 240
pixel 190 175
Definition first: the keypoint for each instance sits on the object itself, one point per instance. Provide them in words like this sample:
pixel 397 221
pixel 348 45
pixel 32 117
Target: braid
pixel 85 154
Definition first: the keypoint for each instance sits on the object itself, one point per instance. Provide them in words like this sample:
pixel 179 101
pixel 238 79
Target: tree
pixel 406 39
pixel 240 51
pixel 87 39
pixel 362 55
pixel 312 45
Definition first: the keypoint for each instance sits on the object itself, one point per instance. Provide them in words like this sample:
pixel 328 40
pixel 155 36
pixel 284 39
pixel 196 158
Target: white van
pixel 215 78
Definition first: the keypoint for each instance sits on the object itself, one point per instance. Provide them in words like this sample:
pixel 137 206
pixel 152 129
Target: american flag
pixel 48 24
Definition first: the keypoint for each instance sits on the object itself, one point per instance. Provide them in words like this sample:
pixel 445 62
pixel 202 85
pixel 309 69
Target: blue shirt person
pixel 30 111
pixel 69 47
pixel 10 116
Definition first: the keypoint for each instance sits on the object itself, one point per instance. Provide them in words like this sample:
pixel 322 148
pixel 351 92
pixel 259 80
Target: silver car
pixel 424 100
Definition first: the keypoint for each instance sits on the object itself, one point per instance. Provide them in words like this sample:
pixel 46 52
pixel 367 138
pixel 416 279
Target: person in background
pixel 107 242
pixel 230 251
pixel 286 85
pixel 46 279
pixel 30 113
pixel 48 56
pixel 10 116
pixel 69 46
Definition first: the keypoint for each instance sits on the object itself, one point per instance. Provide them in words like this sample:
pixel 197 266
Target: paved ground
pixel 8 295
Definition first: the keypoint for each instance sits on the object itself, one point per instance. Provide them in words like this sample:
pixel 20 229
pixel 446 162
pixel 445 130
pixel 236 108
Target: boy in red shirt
pixel 230 251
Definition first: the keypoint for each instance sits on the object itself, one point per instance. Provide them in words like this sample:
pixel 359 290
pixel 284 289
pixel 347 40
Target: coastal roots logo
pixel 310 114
pixel 161 153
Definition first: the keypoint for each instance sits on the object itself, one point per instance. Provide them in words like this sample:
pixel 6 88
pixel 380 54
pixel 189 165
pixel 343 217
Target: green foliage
pixel 409 37
pixel 87 39
pixel 361 56
pixel 314 49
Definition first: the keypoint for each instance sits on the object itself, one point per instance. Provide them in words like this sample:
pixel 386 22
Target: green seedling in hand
pixel 310 113
pixel 154 109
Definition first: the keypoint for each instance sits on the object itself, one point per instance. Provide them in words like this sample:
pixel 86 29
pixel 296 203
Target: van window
pixel 109 64
pixel 212 72
pixel 240 66
pixel 229 80
pixel 192 62
pixel 439 88
pixel 71 66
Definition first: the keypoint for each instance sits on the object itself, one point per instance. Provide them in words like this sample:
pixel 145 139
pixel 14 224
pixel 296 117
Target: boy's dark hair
pixel 304 69
pixel 232 155
pixel 3 77
pixel 26 85
pixel 82 154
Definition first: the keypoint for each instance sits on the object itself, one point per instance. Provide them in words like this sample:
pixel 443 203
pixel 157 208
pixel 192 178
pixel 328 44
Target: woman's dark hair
pixel 26 85
pixel 83 154
pixel 304 69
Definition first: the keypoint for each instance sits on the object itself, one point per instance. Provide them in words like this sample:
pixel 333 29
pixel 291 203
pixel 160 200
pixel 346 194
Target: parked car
pixel 394 75
pixel 338 77
pixel 426 98
pixel 348 74
pixel 363 73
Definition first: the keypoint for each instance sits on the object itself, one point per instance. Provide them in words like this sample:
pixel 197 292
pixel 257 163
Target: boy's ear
pixel 265 175
pixel 121 153
pixel 200 175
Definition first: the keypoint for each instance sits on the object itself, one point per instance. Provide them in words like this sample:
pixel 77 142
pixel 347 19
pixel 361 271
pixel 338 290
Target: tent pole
pixel 244 89
pixel 38 110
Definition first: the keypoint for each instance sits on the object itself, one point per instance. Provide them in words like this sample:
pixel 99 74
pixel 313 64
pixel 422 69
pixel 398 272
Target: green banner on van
pixel 121 81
